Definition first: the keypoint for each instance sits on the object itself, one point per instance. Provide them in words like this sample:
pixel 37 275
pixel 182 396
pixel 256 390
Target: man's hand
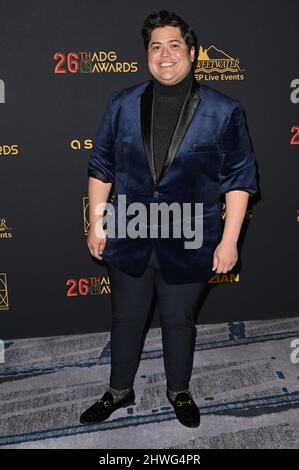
pixel 96 242
pixel 225 256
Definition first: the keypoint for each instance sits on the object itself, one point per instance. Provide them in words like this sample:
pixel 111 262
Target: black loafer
pixel 185 409
pixel 104 407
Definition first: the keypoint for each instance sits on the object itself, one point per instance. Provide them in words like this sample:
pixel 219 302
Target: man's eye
pixel 175 45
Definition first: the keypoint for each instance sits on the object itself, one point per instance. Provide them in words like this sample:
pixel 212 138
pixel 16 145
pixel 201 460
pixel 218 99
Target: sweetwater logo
pixel 92 62
pixel 215 64
pixel 93 285
pixel 3 292
pixel 5 232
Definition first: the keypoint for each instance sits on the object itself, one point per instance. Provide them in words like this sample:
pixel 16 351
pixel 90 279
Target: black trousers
pixel 177 306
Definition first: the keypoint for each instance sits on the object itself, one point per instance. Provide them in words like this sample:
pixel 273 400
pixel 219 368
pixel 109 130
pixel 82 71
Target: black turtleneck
pixel 168 101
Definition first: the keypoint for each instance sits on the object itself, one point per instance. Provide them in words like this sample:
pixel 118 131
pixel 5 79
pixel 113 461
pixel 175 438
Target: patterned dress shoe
pixel 104 407
pixel 185 409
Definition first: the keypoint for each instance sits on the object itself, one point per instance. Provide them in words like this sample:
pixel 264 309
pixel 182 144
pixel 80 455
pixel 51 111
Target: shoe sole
pixel 190 425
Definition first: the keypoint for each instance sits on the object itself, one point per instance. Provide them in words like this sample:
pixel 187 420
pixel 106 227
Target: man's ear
pixel 192 53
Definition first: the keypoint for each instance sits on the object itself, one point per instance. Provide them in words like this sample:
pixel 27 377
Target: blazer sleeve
pixel 238 167
pixel 101 157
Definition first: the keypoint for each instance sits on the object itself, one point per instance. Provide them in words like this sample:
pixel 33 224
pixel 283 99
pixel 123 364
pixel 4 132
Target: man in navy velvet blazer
pixel 209 155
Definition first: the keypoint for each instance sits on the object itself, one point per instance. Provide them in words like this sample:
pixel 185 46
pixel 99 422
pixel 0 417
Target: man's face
pixel 169 60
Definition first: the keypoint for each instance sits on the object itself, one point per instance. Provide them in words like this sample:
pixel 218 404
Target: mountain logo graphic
pixel 212 59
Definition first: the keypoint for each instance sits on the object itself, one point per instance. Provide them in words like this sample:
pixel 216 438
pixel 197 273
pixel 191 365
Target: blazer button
pixel 156 194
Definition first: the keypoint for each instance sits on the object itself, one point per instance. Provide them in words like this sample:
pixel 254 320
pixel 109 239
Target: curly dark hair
pixel 162 18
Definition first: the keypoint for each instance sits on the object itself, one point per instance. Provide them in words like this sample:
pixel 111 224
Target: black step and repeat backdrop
pixel 59 61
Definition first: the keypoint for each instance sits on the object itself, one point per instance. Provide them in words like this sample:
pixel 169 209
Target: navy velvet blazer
pixel 209 155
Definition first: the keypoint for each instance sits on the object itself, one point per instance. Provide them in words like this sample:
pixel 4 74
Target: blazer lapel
pixel 189 106
pixel 146 115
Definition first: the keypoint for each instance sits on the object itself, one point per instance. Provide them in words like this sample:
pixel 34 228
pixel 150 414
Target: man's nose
pixel 165 52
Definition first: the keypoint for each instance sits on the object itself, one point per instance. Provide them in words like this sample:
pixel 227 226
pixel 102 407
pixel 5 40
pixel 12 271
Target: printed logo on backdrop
pixel 7 150
pixel 4 305
pixel 5 232
pixel 224 278
pixel 92 62
pixel 294 135
pixel 2 92
pixel 76 144
pixel 213 64
pixel 92 285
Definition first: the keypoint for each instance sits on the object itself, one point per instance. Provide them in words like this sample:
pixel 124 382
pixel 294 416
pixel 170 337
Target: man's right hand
pixel 96 242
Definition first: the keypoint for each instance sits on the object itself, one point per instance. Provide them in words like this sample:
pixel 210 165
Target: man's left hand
pixel 225 256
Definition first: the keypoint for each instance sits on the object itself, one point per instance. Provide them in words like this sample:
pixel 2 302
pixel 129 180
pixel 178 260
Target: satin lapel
pixel 146 117
pixel 189 106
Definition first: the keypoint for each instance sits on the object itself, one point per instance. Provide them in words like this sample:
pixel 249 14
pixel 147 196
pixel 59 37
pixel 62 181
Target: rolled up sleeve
pixel 101 157
pixel 238 167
